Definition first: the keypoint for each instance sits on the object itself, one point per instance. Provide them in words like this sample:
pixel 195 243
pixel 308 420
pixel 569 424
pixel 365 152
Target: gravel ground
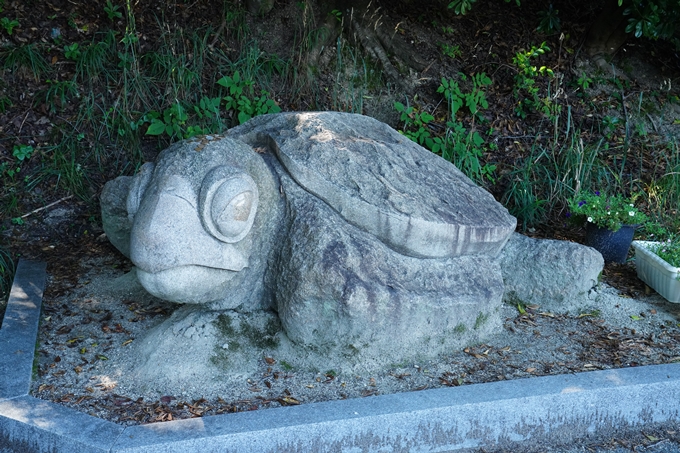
pixel 87 330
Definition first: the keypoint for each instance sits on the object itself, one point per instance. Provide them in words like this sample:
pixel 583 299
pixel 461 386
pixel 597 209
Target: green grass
pixel 25 60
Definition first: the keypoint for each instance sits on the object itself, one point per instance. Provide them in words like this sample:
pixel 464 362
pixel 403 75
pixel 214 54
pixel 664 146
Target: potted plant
pixel 658 265
pixel 610 223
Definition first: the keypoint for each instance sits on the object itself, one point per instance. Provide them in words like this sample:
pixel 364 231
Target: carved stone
pixel 361 245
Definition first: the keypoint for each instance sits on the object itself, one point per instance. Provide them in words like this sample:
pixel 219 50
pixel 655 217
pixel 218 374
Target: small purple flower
pixel 581 203
pixel 597 192
pixel 568 214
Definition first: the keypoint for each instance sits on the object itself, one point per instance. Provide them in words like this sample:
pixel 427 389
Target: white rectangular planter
pixel 657 273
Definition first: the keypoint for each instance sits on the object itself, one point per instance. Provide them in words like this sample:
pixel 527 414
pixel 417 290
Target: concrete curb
pixel 549 409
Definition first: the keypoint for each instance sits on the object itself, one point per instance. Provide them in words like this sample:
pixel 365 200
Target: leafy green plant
pixel 461 7
pixel 241 98
pixel 474 100
pixel 462 147
pixel 550 21
pixel 9 170
pixel 22 152
pixel 9 25
pixel 610 212
pixel 450 51
pixel 72 52
pixel 584 81
pixel 171 122
pixel 111 11
pixel 526 89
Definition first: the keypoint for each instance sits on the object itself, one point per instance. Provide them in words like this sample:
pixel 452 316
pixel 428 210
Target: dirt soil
pixel 89 319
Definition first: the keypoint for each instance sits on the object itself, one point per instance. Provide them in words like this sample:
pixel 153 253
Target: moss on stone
pixel 460 328
pixel 482 318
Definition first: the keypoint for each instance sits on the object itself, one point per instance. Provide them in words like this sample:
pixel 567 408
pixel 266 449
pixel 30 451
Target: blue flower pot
pixel 613 245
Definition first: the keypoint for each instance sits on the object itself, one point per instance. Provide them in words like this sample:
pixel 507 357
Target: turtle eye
pixel 139 184
pixel 228 203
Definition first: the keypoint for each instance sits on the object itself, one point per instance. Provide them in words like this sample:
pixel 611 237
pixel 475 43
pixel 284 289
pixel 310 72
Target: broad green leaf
pixel 156 128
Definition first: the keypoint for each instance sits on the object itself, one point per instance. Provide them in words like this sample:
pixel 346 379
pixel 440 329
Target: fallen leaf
pixel 166 399
pixel 127 342
pixel 269 360
pixel 288 401
pixel 530 370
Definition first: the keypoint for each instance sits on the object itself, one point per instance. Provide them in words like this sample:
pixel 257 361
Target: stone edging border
pixel 551 409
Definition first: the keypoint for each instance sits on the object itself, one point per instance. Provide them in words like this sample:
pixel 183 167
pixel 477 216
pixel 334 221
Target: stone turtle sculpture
pixel 354 240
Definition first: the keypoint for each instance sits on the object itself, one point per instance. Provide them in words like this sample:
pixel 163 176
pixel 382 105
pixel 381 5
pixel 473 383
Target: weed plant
pixel 25 60
pixel 460 145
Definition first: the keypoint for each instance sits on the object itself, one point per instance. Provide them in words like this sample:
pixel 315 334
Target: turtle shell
pixel 383 183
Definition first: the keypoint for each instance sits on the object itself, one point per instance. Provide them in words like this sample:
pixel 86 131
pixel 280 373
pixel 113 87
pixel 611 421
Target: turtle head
pixel 187 220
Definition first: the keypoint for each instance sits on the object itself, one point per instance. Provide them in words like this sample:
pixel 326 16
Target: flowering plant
pixel 668 250
pixel 605 211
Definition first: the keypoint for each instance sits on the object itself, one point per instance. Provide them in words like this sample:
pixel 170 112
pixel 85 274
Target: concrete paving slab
pixel 552 410
pixel 20 329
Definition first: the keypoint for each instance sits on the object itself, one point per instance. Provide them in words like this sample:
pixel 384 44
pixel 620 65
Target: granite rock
pixel 360 244
pixel 556 275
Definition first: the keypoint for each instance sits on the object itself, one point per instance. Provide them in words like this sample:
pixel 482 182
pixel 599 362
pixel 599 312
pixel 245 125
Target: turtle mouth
pixel 191 284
